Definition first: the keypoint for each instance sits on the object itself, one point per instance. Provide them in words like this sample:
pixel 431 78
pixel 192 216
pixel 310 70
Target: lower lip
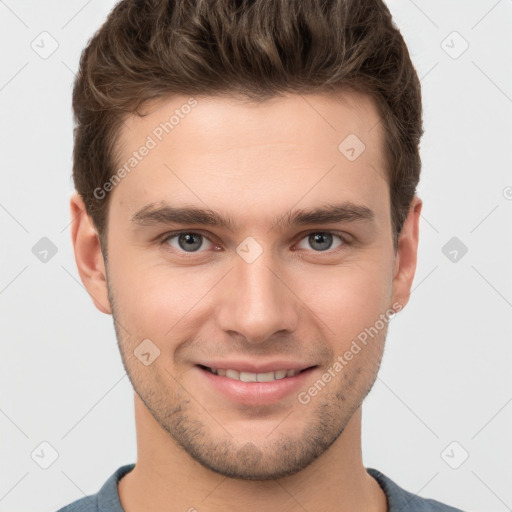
pixel 256 393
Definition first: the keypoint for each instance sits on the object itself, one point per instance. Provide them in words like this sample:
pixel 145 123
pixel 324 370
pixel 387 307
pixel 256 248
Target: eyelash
pixel 167 236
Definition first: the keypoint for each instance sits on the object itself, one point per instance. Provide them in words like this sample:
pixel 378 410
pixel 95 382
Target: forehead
pixel 211 121
pixel 213 151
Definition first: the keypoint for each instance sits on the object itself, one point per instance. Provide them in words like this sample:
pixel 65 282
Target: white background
pixel 446 373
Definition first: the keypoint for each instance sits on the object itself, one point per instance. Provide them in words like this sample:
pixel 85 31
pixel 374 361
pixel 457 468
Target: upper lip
pixel 252 367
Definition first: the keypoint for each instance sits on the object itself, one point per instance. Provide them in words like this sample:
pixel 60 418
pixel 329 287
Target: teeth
pixel 254 377
pixel 265 377
pixel 233 374
pixel 248 377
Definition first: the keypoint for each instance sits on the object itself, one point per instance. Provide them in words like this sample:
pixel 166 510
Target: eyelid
pixel 171 234
pixel 344 236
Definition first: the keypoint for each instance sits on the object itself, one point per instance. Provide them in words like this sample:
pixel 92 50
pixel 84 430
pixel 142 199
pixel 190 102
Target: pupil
pixel 186 241
pixel 324 239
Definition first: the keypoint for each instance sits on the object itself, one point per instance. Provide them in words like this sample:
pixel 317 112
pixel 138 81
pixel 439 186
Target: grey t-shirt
pixel 399 500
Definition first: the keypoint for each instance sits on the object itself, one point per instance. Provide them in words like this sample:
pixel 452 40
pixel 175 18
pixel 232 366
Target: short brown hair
pixel 151 49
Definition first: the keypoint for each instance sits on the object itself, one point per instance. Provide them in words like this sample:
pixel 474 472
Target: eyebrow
pixel 155 214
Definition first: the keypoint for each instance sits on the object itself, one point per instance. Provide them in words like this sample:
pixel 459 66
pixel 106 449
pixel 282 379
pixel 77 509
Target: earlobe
pixel 406 257
pixel 88 255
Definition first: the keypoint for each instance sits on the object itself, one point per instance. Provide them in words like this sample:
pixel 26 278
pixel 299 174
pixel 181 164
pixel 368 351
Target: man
pixel 245 209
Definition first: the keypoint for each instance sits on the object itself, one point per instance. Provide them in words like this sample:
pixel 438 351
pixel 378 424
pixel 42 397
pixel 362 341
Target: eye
pixel 186 241
pixel 322 240
pixel 192 242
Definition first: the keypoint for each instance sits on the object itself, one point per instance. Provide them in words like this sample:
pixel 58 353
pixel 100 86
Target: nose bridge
pixel 257 303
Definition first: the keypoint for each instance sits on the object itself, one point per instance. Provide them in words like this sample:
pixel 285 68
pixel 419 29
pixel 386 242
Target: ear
pixel 406 257
pixel 88 255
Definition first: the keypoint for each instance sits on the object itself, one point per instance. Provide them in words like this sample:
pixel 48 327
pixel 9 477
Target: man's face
pixel 259 295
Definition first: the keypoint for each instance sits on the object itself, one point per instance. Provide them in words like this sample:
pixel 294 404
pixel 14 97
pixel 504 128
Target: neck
pixel 165 477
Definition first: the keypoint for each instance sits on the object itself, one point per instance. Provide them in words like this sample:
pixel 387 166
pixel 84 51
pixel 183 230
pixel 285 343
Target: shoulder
pixel 86 504
pixel 404 501
pixel 105 500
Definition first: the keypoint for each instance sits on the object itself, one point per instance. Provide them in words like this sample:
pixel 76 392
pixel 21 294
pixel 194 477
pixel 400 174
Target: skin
pixel 197 449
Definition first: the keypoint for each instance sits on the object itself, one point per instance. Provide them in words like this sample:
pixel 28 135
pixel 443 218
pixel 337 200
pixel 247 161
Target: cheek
pixel 347 298
pixel 154 299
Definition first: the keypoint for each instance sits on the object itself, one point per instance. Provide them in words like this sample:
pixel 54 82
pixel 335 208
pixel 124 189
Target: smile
pixel 253 377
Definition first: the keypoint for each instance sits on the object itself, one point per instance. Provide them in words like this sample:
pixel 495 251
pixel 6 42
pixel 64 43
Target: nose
pixel 257 301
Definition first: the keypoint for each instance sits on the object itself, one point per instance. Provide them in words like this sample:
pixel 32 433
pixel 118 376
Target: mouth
pixel 254 377
pixel 251 388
